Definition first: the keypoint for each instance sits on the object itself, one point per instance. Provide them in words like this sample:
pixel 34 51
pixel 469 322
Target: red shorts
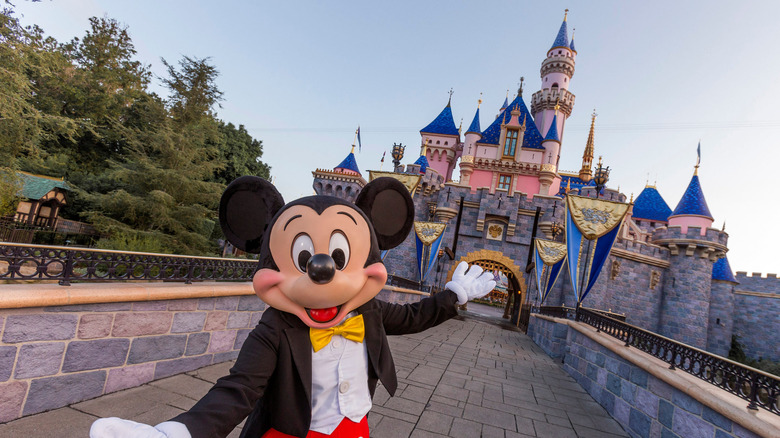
pixel 346 429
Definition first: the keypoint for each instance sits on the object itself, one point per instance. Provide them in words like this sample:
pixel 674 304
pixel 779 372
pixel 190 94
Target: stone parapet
pixel 644 396
pixel 53 355
pixel 712 245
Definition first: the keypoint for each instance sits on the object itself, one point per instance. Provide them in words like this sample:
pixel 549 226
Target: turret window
pixel 510 144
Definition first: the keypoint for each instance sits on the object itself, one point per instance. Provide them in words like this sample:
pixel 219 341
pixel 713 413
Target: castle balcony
pixel 547 98
pixel 558 64
pixel 506 166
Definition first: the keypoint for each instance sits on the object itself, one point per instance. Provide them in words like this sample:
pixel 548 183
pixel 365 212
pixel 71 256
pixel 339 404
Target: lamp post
pixel 397 154
pixel 600 177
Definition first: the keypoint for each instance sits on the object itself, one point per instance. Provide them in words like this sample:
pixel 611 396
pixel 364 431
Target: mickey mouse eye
pixel 302 249
pixel 339 249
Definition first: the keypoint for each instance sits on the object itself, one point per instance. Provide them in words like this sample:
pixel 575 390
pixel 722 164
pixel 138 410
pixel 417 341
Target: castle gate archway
pixel 497 261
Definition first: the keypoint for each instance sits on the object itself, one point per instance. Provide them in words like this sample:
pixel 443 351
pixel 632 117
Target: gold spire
pixel 479 102
pixel 587 156
pixel 353 149
pixel 565 14
pixel 632 198
pixel 424 150
pixel 461 125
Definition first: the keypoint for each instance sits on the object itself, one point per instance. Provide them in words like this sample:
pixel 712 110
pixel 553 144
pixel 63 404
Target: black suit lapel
pixel 376 345
pixel 300 346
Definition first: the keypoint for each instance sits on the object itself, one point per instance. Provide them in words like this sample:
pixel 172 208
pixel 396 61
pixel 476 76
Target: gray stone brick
pixel 489 416
pixel 11 400
pixel 690 426
pixel 435 422
pixel 197 343
pixel 177 366
pixel 7 359
pixel 185 322
pixel 43 327
pixel 55 392
pixel 226 303
pixel 92 355
pixel 715 418
pixel 639 423
pixel 686 402
pixel 665 413
pixel 224 357
pixel 238 320
pixel 250 302
pixel 39 359
pixel 152 348
pixel 647 402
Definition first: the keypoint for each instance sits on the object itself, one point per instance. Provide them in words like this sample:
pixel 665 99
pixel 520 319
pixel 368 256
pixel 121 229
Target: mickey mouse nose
pixel 321 268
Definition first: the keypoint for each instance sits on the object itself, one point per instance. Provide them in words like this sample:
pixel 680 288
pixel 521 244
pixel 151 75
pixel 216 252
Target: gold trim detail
pixel 595 217
pixel 428 232
pixel 410 181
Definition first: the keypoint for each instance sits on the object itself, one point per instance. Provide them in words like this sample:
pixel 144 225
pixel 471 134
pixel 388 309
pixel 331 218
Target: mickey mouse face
pixel 320 254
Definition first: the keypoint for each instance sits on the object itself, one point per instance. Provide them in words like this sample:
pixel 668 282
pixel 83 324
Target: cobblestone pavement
pixel 465 378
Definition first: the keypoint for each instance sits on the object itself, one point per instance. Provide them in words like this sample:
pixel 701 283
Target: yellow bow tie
pixel 352 329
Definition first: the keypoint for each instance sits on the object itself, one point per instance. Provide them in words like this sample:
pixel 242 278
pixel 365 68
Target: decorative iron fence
pixel 571 312
pixel 393 280
pixel 760 389
pixel 66 264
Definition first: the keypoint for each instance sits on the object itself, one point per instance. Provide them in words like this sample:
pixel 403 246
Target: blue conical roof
pixel 651 205
pixel 562 40
pixel 531 139
pixel 506 103
pixel 474 127
pixel 721 270
pixel 552 133
pixel 349 163
pixel 693 202
pixel 571 45
pixel 442 124
pixel 423 162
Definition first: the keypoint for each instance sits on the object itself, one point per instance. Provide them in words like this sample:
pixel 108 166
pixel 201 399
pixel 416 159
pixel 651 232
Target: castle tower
pixel 650 209
pixel 552 146
pixel 686 294
pixel 692 210
pixel 442 139
pixel 556 72
pixel 473 135
pixel 587 157
pixel 721 324
pixel 344 181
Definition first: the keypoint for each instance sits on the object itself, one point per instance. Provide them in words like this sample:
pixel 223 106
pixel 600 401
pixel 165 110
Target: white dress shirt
pixel 339 386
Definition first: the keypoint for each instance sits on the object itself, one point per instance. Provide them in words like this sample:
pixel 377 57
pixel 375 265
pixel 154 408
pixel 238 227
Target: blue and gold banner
pixel 428 236
pixel 592 225
pixel 549 259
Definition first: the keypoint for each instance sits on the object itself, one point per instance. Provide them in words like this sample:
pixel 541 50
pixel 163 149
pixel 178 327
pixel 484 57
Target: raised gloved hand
pixel 471 284
pixel 114 427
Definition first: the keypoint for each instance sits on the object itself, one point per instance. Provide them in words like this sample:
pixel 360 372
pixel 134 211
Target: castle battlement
pixel 711 245
pixel 643 248
pixel 756 282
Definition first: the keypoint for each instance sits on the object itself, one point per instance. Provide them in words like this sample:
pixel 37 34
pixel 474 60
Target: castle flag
pixel 698 154
pixel 428 236
pixel 592 226
pixel 360 145
pixel 549 259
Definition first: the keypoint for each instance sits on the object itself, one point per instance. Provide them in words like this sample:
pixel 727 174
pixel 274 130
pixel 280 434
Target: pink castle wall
pixel 480 178
pixel 690 221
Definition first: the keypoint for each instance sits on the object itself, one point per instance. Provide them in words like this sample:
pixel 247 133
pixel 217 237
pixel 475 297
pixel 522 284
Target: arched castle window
pixel 555 85
pixel 445 143
pixel 510 143
pixel 438 142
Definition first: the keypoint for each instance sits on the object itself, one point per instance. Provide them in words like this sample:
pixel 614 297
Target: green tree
pixel 28 62
pixel 240 154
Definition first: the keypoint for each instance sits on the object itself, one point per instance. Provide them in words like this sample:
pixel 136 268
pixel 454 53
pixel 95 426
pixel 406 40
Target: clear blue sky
pixel 662 75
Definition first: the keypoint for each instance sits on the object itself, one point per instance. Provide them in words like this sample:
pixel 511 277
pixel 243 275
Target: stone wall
pixel 646 398
pixel 721 322
pixel 54 356
pixel 757 314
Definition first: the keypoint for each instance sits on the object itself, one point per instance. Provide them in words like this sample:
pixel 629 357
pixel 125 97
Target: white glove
pixel 114 427
pixel 470 285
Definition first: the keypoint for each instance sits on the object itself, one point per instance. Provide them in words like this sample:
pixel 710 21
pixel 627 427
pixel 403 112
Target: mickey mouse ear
pixel 388 205
pixel 245 210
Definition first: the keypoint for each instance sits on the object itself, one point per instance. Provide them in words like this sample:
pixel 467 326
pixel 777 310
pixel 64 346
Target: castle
pixel 668 270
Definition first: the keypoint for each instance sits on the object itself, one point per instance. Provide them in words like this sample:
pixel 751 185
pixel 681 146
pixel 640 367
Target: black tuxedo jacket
pixel 271 379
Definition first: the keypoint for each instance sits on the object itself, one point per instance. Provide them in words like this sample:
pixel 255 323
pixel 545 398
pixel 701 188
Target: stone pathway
pixel 465 378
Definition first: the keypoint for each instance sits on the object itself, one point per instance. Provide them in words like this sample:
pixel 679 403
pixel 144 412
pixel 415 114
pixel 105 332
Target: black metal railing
pixel 760 389
pixel 555 311
pixel 66 264
pixel 571 312
pixel 394 280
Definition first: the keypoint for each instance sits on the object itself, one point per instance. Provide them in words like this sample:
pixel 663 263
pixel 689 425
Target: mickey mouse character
pixel 310 367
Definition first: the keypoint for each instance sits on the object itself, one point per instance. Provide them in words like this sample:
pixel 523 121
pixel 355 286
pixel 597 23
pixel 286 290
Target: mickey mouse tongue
pixel 323 315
